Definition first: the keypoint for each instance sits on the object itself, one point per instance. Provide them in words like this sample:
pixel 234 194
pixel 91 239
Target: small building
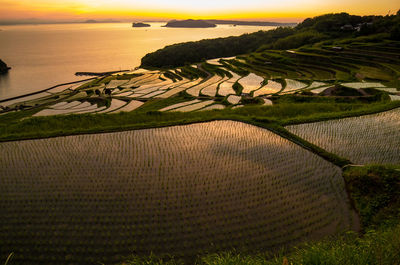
pixel 363 25
pixel 347 27
pixel 337 48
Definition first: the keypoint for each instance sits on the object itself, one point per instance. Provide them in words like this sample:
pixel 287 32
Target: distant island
pixel 190 23
pixel 200 23
pixel 4 67
pixel 140 25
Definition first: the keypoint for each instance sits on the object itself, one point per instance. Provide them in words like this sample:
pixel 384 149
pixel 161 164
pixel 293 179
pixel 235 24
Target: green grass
pixel 375 191
pixel 238 88
pixel 374 247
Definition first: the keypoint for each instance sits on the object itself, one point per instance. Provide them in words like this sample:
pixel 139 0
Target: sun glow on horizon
pixel 180 9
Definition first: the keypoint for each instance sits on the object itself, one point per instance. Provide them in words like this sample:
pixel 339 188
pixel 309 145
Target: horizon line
pixel 33 21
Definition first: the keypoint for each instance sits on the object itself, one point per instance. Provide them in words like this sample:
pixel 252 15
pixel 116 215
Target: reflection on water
pixel 44 55
pixel 364 140
pixel 4 83
pixel 190 187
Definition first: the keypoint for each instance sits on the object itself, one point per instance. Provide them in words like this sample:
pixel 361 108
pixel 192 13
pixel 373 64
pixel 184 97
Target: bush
pixel 298 40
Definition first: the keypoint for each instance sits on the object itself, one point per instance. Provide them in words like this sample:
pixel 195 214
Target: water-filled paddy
pixel 179 190
pixel 364 140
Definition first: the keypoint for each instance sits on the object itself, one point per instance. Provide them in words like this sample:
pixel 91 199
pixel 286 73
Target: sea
pixel 42 56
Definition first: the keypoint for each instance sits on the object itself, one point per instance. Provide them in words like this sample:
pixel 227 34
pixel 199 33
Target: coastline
pixel 44 90
pixel 31 73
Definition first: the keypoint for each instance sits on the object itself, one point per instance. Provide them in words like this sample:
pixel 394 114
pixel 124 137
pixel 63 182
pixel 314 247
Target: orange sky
pixel 290 10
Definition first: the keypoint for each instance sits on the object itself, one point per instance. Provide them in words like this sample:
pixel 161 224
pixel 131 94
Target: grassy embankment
pixel 326 28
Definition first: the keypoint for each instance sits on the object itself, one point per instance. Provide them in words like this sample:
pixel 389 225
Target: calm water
pixel 45 55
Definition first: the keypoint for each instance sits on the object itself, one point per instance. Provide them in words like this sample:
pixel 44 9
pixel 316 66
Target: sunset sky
pixel 166 9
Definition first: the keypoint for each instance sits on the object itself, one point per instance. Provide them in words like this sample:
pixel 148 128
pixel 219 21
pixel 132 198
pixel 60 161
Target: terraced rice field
pixel 132 105
pixel 195 90
pixel 116 94
pixel 28 98
pixel 116 83
pixel 226 89
pixel 363 140
pixel 234 99
pixel 211 90
pixel 176 88
pixel 115 105
pixel 272 87
pixel 71 107
pixel 215 106
pixel 389 90
pixel 318 90
pixel 394 97
pixel 195 106
pixel 251 82
pixel 316 85
pixel 178 105
pixel 362 85
pixel 260 74
pixel 214 61
pixel 267 102
pixel 293 85
pixel 94 199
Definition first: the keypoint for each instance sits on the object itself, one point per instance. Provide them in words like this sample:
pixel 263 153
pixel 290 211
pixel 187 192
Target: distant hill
pixel 250 23
pixel 140 25
pixel 200 23
pixel 3 67
pixel 190 23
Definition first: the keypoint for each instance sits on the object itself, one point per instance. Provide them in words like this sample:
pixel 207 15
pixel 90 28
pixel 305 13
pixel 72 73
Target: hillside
pixel 250 23
pixel 310 31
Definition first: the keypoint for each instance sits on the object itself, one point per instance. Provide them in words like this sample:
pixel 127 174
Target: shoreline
pixel 45 90
pixel 95 74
